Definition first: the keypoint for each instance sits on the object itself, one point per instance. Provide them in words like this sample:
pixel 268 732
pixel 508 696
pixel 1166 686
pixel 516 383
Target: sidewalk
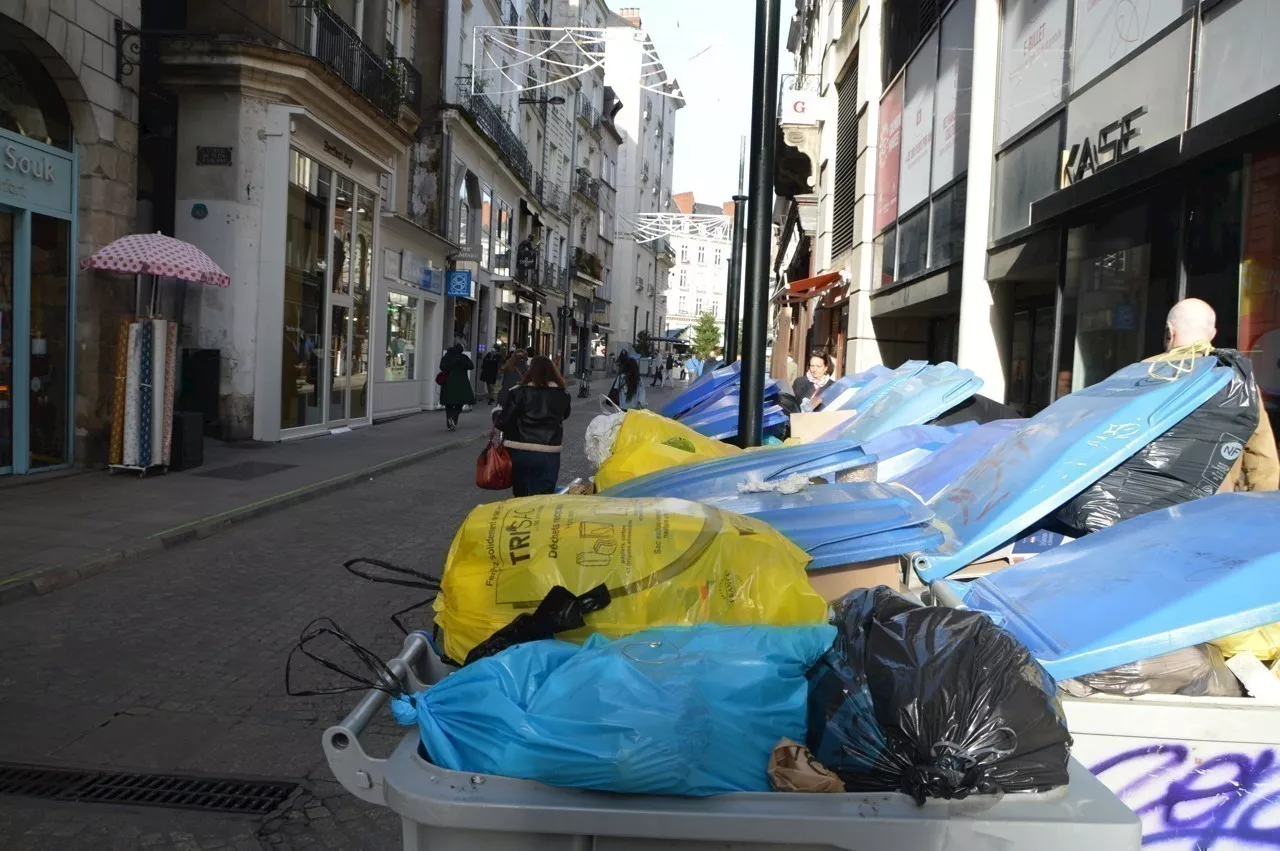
pixel 56 531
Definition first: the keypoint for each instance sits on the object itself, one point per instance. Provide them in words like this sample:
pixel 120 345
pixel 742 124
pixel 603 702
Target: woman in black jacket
pixel 532 426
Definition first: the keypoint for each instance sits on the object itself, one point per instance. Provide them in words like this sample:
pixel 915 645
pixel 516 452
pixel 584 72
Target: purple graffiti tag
pixel 1198 803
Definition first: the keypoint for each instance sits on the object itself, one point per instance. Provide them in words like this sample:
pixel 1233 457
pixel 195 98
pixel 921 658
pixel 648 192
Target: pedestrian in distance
pixel 629 387
pixel 806 387
pixel 532 425
pixel 513 372
pixel 490 369
pixel 657 373
pixel 455 384
pixel 669 373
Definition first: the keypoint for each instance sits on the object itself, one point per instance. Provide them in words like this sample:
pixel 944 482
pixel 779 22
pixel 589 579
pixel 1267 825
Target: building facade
pixel 699 282
pixel 1041 193
pixel 69 140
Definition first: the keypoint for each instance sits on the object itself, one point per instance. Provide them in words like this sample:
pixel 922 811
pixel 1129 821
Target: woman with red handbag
pixel 532 426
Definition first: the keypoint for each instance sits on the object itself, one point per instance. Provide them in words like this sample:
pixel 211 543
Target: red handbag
pixel 493 467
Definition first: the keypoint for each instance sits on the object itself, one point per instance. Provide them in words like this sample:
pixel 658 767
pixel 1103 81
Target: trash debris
pixel 602 431
pixel 793 769
pixel 693 711
pixel 1263 642
pixel 1254 676
pixel 933 702
pixel 580 487
pixel 755 483
pixel 1189 461
pixel 1198 671
pixel 663 562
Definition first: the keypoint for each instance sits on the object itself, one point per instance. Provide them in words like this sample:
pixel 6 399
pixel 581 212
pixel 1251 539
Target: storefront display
pixel 327 296
pixel 402 337
pixel 37 202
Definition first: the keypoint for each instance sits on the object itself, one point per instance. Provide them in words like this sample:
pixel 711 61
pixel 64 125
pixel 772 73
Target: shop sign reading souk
pixel 34 175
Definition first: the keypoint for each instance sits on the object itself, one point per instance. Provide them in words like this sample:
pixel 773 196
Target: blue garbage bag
pixel 675 711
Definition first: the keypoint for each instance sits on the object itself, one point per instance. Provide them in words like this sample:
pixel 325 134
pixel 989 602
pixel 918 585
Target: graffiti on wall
pixel 1215 798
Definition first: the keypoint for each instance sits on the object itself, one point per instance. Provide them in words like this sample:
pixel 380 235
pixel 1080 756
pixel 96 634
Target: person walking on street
pixel 490 367
pixel 657 372
pixel 532 424
pixel 455 386
pixel 669 376
pixel 806 387
pixel 629 386
pixel 513 372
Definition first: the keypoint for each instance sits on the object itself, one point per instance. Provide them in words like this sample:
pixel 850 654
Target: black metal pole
pixel 764 118
pixel 733 296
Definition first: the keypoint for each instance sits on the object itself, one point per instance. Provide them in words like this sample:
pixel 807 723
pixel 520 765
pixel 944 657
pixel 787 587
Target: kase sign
pixel 1114 143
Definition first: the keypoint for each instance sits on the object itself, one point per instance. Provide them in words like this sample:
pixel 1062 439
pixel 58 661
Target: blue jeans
pixel 533 472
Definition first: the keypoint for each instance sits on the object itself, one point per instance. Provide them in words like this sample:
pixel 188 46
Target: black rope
pixel 383 678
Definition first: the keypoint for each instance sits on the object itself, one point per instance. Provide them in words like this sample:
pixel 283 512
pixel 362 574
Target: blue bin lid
pixel 1153 584
pixel 721 476
pixel 705 387
pixel 876 545
pixel 840 394
pixel 944 466
pixel 912 400
pixel 1058 453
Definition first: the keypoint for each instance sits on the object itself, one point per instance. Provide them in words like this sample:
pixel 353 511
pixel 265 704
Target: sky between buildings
pixel 708 46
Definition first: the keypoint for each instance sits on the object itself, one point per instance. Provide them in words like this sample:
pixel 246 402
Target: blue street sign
pixel 457 284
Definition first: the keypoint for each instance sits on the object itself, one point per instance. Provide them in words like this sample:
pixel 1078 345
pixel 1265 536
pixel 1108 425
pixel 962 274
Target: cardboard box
pixel 834 582
pixel 806 427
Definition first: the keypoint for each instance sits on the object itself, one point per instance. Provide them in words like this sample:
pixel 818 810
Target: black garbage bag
pixel 1188 461
pixel 933 702
pixel 977 409
pixel 560 611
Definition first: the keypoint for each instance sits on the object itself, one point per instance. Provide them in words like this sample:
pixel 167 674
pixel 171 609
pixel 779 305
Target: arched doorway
pixel 38 178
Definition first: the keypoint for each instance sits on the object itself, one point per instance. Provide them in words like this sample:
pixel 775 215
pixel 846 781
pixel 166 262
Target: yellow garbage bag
pixel 665 562
pixel 648 442
pixel 1263 642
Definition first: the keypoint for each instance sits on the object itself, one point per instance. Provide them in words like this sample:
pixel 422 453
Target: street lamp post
pixel 732 314
pixel 764 116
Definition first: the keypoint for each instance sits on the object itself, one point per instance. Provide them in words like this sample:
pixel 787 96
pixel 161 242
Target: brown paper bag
pixel 793 769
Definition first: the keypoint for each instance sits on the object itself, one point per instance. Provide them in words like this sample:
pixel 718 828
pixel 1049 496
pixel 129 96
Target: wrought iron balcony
pixel 801 83
pixel 587 113
pixel 587 186
pixel 410 84
pixel 324 35
pixel 489 119
pixel 553 278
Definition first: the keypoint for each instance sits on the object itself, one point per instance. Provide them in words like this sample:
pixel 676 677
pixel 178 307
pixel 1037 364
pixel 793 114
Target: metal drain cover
pixel 244 797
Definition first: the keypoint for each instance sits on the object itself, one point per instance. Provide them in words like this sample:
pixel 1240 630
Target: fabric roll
pixel 170 375
pixel 159 371
pixel 116 453
pixel 133 391
pixel 146 391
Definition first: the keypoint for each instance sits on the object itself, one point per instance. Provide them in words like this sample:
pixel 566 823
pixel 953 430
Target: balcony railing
pixel 587 113
pixel 587 186
pixel 801 82
pixel 489 119
pixel 588 264
pixel 553 278
pixel 324 35
pixel 410 84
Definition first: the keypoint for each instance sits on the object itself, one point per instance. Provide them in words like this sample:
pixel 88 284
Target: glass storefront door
pixel 327 297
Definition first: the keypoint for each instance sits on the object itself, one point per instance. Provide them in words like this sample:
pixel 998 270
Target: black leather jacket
pixel 533 416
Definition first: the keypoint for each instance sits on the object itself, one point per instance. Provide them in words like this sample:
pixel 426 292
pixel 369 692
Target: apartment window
pixel 702 255
pixel 845 190
pixel 487 214
pixel 464 213
pixel 401 35
pixel 684 255
pixel 684 280
pixel 719 257
pixel 697 306
pixel 684 304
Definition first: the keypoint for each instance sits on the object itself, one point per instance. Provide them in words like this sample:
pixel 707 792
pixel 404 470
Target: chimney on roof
pixel 684 202
pixel 728 208
pixel 631 15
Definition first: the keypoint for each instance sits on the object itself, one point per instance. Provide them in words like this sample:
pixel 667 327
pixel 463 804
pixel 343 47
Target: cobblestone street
pixel 175 663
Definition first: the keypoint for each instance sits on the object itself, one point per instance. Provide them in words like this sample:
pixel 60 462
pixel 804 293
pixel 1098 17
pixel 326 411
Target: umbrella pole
pixel 137 296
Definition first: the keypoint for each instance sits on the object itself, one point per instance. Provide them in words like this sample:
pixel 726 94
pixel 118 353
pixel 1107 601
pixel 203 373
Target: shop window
pixel 361 302
pixel 887 249
pixel 913 244
pixel 30 103
pixel 487 213
pixel 402 337
pixel 1214 224
pixel 1025 174
pixel 306 235
pixel 1121 280
pixel 50 331
pixel 946 237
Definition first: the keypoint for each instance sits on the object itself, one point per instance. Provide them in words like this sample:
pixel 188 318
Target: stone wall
pixel 75 40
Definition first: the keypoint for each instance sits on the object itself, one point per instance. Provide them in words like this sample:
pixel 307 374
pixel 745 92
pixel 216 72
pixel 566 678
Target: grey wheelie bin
pixel 445 810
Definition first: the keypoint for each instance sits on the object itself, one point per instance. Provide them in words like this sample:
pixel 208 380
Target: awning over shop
pixel 807 288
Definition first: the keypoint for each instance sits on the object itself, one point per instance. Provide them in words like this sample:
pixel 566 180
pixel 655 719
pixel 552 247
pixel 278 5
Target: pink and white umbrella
pixel 157 254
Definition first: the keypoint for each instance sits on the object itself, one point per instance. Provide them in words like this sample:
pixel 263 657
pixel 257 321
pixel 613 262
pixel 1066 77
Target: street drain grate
pixel 244 797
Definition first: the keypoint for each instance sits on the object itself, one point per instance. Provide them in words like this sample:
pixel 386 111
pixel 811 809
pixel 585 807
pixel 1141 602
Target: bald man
pixel 1189 330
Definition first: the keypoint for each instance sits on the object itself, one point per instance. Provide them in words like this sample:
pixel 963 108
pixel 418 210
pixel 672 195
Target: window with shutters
pixel 844 192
